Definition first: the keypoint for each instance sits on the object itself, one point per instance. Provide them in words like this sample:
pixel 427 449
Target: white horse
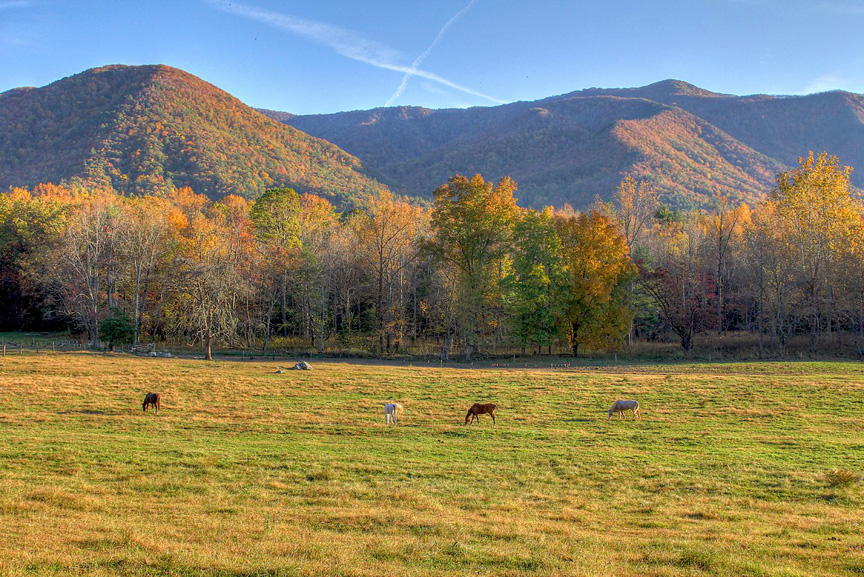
pixel 621 407
pixel 392 412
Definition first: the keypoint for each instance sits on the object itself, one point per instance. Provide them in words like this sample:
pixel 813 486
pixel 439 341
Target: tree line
pixel 471 274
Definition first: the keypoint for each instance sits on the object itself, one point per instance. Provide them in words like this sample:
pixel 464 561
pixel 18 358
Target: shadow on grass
pixel 155 568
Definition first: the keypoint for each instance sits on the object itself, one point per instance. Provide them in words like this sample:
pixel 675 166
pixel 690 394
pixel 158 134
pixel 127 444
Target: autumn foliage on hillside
pixel 691 144
pixel 152 129
pixel 472 275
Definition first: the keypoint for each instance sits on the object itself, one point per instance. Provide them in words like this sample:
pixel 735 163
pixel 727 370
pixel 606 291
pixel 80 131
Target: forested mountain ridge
pixel 691 143
pixel 777 126
pixel 145 129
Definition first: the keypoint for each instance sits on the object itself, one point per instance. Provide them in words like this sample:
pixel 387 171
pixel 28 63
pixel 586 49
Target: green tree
pixel 472 225
pixel 118 328
pixel 30 226
pixel 538 281
pixel 276 218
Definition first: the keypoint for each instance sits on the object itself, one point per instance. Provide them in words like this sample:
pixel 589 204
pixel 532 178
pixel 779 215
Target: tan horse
pixel 477 409
pixel 152 399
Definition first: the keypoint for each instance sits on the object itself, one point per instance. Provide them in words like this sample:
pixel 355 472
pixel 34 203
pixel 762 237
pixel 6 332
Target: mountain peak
pixel 674 87
pixel 662 91
pixel 146 129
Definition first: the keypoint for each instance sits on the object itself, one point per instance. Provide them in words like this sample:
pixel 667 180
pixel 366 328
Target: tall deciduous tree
pixel 388 230
pixel 724 225
pixel 679 280
pixel 538 282
pixel 211 284
pixel 314 274
pixel 820 219
pixel 769 262
pixel 276 218
pixel 635 203
pixel 598 264
pixel 472 224
pixel 30 226
pixel 145 244
pixel 85 261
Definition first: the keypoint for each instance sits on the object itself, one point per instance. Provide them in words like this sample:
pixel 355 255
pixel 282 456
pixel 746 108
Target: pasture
pixel 735 469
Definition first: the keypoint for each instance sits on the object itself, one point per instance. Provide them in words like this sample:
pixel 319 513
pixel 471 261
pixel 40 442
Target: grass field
pixel 736 469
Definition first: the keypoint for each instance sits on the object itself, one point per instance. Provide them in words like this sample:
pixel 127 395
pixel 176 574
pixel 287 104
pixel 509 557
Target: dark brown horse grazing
pixel 477 409
pixel 152 399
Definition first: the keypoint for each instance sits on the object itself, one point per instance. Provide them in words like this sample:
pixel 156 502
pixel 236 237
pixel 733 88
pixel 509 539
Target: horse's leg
pixel 493 418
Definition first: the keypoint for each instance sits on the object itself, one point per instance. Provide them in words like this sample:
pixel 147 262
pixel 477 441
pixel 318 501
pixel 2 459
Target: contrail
pixel 419 60
pixel 343 42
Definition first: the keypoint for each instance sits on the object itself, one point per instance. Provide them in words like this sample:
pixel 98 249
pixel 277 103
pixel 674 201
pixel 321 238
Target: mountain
pixel 691 143
pixel 139 129
pixel 142 129
pixel 782 127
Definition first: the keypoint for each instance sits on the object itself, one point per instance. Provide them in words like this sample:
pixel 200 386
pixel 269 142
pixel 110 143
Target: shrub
pixel 841 478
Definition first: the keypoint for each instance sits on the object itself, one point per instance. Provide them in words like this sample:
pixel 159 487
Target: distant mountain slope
pixel 140 128
pixel 690 142
pixel 782 127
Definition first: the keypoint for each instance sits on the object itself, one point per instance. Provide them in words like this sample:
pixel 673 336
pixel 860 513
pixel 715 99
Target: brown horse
pixel 477 409
pixel 152 399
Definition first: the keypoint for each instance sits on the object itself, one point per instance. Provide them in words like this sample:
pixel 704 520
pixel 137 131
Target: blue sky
pixel 311 56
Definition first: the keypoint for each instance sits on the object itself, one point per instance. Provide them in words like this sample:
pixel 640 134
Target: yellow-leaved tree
pixel 598 261
pixel 821 222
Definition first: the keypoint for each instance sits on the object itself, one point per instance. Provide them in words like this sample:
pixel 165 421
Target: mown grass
pixel 736 469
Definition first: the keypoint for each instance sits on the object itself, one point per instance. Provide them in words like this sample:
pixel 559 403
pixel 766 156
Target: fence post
pixel 53 348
